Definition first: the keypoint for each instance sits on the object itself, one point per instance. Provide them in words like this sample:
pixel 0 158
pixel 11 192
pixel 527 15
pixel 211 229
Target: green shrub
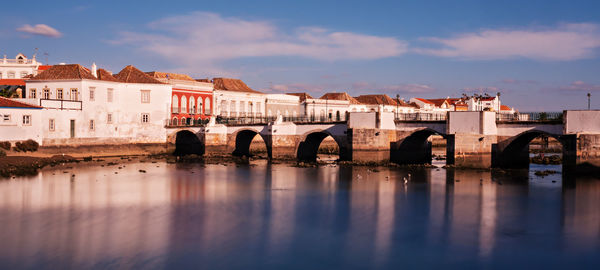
pixel 28 145
pixel 5 145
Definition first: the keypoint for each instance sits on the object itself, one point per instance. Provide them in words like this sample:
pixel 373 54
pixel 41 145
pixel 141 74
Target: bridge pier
pixel 214 138
pixel 369 136
pixel 470 139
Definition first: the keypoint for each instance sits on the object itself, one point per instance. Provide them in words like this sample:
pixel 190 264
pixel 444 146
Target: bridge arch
pixel 187 142
pixel 514 151
pixel 243 139
pixel 310 141
pixel 413 147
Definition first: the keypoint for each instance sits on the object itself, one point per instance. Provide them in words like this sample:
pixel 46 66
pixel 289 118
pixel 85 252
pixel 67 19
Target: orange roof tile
pixel 12 82
pixel 131 74
pixel 65 72
pixel 10 103
pixel 232 85
pixel 340 96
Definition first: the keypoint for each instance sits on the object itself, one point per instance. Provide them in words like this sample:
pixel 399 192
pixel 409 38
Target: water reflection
pixel 277 216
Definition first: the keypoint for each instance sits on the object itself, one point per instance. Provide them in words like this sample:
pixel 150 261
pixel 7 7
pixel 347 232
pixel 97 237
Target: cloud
pixel 40 29
pixel 519 82
pixel 200 38
pixel 580 86
pixel 411 88
pixel 564 43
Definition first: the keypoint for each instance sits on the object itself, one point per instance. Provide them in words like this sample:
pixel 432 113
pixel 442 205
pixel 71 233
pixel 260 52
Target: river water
pixel 275 216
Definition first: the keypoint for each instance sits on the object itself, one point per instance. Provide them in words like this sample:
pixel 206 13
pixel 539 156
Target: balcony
pixel 61 104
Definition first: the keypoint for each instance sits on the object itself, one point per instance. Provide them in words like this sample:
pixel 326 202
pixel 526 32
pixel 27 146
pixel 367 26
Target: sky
pixel 539 55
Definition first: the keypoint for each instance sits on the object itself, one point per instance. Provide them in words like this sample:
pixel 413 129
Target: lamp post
pixel 397 104
pixel 589 97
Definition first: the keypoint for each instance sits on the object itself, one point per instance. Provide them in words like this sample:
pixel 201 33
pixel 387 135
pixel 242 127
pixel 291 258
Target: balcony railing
pixel 420 116
pixel 530 116
pixel 61 104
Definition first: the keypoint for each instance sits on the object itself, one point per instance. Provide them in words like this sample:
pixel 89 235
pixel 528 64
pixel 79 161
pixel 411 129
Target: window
pixel 6 118
pixel 46 93
pixel 145 117
pixel 145 96
pixel 109 118
pixel 199 108
pixel 92 93
pixel 183 104
pixel 192 105
pixel 74 94
pixel 51 126
pixel 175 104
pixel 0 75
pixel 11 75
pixel 23 74
pixel 206 106
pixel 109 95
pixel 32 93
pixel 59 93
pixel 27 120
pixel 92 126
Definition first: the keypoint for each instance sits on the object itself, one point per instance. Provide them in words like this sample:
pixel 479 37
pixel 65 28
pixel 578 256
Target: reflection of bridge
pixel 474 139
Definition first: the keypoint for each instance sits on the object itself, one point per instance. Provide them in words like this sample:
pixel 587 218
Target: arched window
pixel 182 122
pixel 287 113
pixel 192 105
pixel 224 108
pixel 337 116
pixel 207 106
pixel 183 104
pixel 233 109
pixel 242 108
pixel 175 105
pixel 199 107
pixel 174 121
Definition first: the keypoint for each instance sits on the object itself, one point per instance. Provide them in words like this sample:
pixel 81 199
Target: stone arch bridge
pixel 474 139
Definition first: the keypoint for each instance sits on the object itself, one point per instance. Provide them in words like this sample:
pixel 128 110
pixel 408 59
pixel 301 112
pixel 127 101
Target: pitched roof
pixel 10 103
pixel 65 72
pixel 377 100
pixel 12 82
pixel 505 108
pixel 438 101
pixel 303 96
pixel 105 76
pixel 232 85
pixel 167 75
pixel 44 67
pixel 131 74
pixel 340 96
pixel 425 100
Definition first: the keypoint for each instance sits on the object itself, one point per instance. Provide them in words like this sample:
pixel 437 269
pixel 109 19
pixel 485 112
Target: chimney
pixel 94 70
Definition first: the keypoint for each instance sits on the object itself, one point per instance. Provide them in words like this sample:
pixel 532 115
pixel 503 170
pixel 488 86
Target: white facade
pixel 18 68
pixel 97 112
pixel 21 124
pixel 282 104
pixel 484 103
pixel 239 104
pixel 329 108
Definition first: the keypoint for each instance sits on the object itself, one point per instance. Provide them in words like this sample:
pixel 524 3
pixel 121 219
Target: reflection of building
pixel 191 100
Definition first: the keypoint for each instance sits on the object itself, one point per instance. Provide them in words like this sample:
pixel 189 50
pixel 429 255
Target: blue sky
pixel 541 55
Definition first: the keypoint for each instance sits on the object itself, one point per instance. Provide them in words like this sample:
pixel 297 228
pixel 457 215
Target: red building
pixel 191 100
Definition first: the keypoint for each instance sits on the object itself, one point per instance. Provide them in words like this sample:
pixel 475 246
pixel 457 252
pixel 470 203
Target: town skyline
pixel 473 47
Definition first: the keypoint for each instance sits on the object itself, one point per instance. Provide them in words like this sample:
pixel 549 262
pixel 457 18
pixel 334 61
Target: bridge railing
pixel 268 119
pixel 530 116
pixel 187 123
pixel 421 116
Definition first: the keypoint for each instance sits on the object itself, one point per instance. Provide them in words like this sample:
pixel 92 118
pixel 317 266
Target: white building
pixel 235 99
pixel 19 67
pixel 20 121
pixel 94 107
pixel 282 104
pixel 384 103
pixel 332 106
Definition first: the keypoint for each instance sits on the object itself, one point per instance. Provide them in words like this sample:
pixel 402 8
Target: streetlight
pixel 397 104
pixel 589 97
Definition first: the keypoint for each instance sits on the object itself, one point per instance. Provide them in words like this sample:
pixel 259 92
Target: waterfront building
pixel 20 121
pixel 235 99
pixel 282 104
pixel 14 72
pixel 384 103
pixel 91 106
pixel 466 103
pixel 191 100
